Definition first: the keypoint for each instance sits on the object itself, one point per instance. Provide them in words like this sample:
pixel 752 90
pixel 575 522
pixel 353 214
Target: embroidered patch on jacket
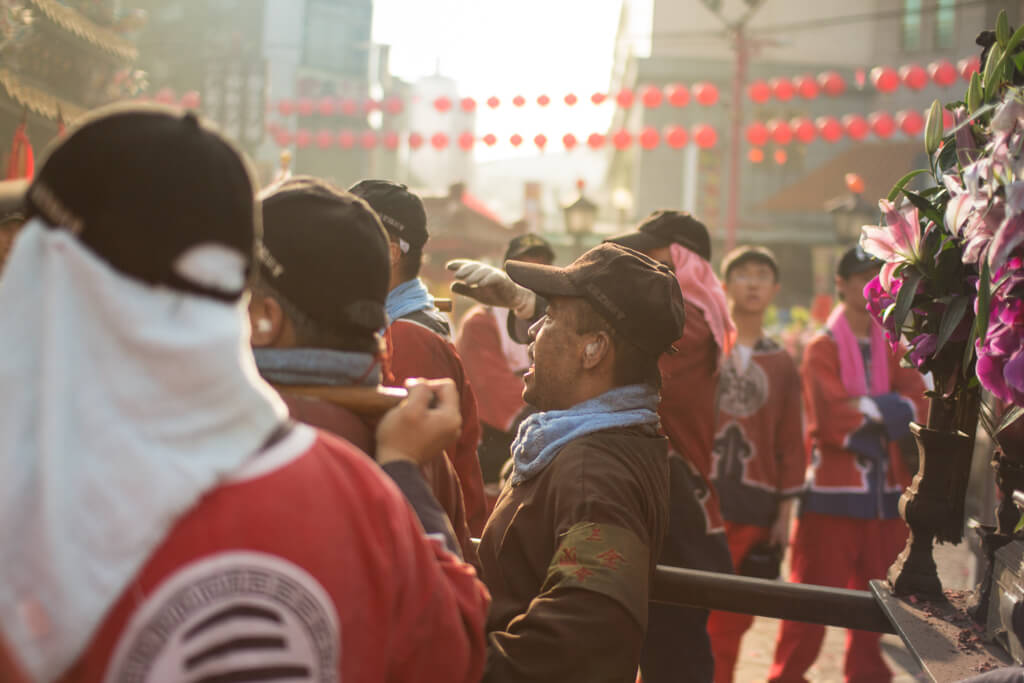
pixel 606 559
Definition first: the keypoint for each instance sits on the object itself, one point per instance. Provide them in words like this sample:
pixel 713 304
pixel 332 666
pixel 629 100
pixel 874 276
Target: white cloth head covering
pixel 122 404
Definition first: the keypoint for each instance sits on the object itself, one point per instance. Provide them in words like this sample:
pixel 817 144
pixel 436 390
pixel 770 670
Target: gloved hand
pixel 491 286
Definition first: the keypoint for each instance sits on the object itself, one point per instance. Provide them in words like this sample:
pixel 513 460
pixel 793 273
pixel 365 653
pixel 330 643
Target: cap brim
pixel 639 241
pixel 544 280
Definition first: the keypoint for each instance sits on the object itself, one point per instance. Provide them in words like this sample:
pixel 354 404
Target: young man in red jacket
pixel 161 518
pixel 858 403
pixel 758 459
pixel 419 334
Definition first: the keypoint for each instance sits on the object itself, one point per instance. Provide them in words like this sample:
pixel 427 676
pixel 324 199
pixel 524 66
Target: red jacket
pixel 416 351
pixel 500 390
pixel 311 562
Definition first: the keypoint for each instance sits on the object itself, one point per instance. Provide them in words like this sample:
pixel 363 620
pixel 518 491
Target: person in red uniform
pixel 419 335
pixel 858 404
pixel 572 545
pixel 758 460
pixel 495 364
pixel 319 240
pixel 161 518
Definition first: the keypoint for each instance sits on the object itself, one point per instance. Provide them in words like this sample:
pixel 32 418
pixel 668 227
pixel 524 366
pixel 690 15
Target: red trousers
pixel 844 553
pixel 726 629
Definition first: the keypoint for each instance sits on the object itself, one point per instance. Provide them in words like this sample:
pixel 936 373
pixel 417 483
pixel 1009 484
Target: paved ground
pixel 956 571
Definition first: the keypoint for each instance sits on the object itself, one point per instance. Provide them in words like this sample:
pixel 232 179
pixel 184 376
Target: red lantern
pixel 349 107
pixel 393 105
pixel 676 137
pixel 622 139
pixel 832 83
pixel 518 100
pixel 370 104
pixel 910 122
pixel 882 124
pixel 598 97
pixel 415 140
pixel 570 99
pixel 885 79
pixel 569 140
pixel 324 139
pixel 493 102
pixel 305 107
pixel 466 141
pixel 757 133
pixel 806 86
pixel 390 140
pixel 190 100
pixel 756 155
pixel 829 128
pixel 467 104
pixel 442 104
pixel 490 139
pixel 625 98
pixel 439 140
pixel 759 92
pixel 302 138
pixel 346 139
pixel 706 94
pixel 325 106
pixel 540 140
pixel 651 97
pixel 942 73
pixel 782 88
pixel 595 141
pixel 165 96
pixel 969 66
pixel 649 138
pixel 283 138
pixel 286 107
pixel 678 95
pixel 780 156
pixel 368 140
pixel 543 100
pixel 854 183
pixel 705 136
pixel 780 131
pixel 856 126
pixel 803 129
pixel 516 139
pixel 914 76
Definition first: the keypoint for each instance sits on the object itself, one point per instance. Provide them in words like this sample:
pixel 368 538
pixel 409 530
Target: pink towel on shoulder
pixel 702 288
pixel 851 362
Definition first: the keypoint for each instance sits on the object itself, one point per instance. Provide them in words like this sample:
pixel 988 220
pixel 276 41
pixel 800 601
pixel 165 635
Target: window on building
pixel 338 36
pixel 945 23
pixel 911 25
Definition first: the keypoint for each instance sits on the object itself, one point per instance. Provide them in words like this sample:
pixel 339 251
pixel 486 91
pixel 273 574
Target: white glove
pixel 491 286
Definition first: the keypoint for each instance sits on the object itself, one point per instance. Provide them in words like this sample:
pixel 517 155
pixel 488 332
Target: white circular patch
pixel 743 394
pixel 231 617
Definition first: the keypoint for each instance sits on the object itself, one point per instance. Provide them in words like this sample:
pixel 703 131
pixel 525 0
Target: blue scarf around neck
pixel 319 367
pixel 406 298
pixel 542 435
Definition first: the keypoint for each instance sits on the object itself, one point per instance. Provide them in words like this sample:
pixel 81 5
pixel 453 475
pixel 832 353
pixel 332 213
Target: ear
pixel 597 350
pixel 396 254
pixel 267 321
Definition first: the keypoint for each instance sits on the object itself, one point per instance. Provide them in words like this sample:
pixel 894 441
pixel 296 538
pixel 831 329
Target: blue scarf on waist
pixel 542 435
pixel 406 298
pixel 319 367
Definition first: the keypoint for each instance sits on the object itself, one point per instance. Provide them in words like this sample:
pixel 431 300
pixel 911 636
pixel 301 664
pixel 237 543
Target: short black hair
pixel 633 365
pixel 749 254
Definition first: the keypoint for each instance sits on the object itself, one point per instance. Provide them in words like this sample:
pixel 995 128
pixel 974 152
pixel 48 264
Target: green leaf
pixel 989 78
pixel 905 298
pixel 965 365
pixel 1014 41
pixel 984 301
pixel 954 314
pixel 933 128
pixel 974 93
pixel 1020 524
pixel 1003 29
pixel 924 206
pixel 1009 417
pixel 901 183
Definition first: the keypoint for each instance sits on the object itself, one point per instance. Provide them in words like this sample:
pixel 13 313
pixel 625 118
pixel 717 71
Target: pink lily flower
pixel 897 243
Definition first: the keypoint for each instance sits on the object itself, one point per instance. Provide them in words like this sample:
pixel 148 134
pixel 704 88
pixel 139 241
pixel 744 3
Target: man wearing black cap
pixel 571 547
pixel 317 308
pixel 495 363
pixel 858 402
pixel 419 335
pixel 161 518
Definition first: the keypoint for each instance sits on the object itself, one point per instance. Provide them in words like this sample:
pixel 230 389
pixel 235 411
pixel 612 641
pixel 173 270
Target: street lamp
pixel 580 217
pixel 851 211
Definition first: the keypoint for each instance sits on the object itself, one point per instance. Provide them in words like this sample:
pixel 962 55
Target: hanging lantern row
pixel 188 100
pixel 831 129
pixel 703 135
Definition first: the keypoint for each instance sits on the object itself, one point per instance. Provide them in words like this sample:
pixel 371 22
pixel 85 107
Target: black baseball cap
pixel 856 260
pixel 749 254
pixel 663 228
pixel 401 212
pixel 326 252
pixel 529 243
pixel 639 297
pixel 142 186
